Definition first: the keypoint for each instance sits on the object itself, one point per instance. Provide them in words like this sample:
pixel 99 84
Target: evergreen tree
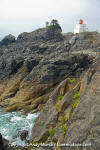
pixel 54 25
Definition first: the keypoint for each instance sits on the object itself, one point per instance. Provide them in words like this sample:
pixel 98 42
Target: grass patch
pixel 51 132
pixel 76 99
pixel 75 103
pixel 76 95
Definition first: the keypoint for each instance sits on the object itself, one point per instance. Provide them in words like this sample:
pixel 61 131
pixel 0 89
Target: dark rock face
pixel 10 65
pixel 8 40
pixel 1 143
pixel 31 67
pixel 4 144
pixel 23 135
pixel 58 69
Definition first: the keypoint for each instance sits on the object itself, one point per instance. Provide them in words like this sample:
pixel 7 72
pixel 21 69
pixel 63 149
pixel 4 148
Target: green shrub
pixel 76 99
pixel 75 103
pixel 64 128
pixel 71 114
pixel 71 80
pixel 51 132
pixel 91 131
pixel 54 25
pixel 76 95
pixel 60 97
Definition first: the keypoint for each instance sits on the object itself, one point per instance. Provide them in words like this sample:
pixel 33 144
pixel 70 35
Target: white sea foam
pixel 30 116
pixel 15 118
pixel 18 142
pixel 13 123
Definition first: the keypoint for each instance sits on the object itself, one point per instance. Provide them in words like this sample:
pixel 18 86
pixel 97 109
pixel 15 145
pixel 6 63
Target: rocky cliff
pixel 73 118
pixel 59 76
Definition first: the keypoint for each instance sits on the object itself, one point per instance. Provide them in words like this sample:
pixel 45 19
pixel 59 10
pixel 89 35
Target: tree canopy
pixel 54 25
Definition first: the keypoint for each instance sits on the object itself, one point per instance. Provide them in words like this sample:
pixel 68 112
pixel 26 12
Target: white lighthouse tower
pixel 80 27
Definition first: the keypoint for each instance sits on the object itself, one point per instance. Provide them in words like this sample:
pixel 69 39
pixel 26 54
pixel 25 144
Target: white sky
pixel 18 16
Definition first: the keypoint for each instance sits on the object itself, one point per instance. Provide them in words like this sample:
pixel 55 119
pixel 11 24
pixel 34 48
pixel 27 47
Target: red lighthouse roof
pixel 80 21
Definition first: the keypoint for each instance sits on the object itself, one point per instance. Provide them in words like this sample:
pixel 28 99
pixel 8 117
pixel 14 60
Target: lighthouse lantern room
pixel 80 27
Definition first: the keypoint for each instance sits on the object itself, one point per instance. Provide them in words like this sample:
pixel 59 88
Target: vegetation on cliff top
pixel 54 25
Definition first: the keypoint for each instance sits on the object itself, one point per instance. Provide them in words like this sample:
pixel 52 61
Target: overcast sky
pixel 18 16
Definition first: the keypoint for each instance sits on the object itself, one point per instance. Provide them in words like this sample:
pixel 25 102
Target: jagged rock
pixel 31 67
pixel 34 72
pixel 23 37
pixel 30 63
pixel 9 39
pixel 49 115
pixel 84 122
pixel 84 127
pixel 23 135
pixel 79 42
pixel 10 65
pixel 43 34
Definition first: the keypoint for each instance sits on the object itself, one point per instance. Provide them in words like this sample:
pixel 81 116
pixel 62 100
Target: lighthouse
pixel 80 27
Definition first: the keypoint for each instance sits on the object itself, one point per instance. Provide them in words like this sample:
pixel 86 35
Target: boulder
pixel 23 135
pixel 1 143
pixel 4 144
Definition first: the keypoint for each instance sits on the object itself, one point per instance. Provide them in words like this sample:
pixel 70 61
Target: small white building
pixel 80 27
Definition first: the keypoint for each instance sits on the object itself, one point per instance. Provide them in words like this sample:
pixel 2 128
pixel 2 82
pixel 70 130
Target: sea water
pixel 12 123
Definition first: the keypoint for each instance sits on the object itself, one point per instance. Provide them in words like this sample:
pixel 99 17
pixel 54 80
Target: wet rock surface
pixel 1 142
pixel 23 135
pixel 4 144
